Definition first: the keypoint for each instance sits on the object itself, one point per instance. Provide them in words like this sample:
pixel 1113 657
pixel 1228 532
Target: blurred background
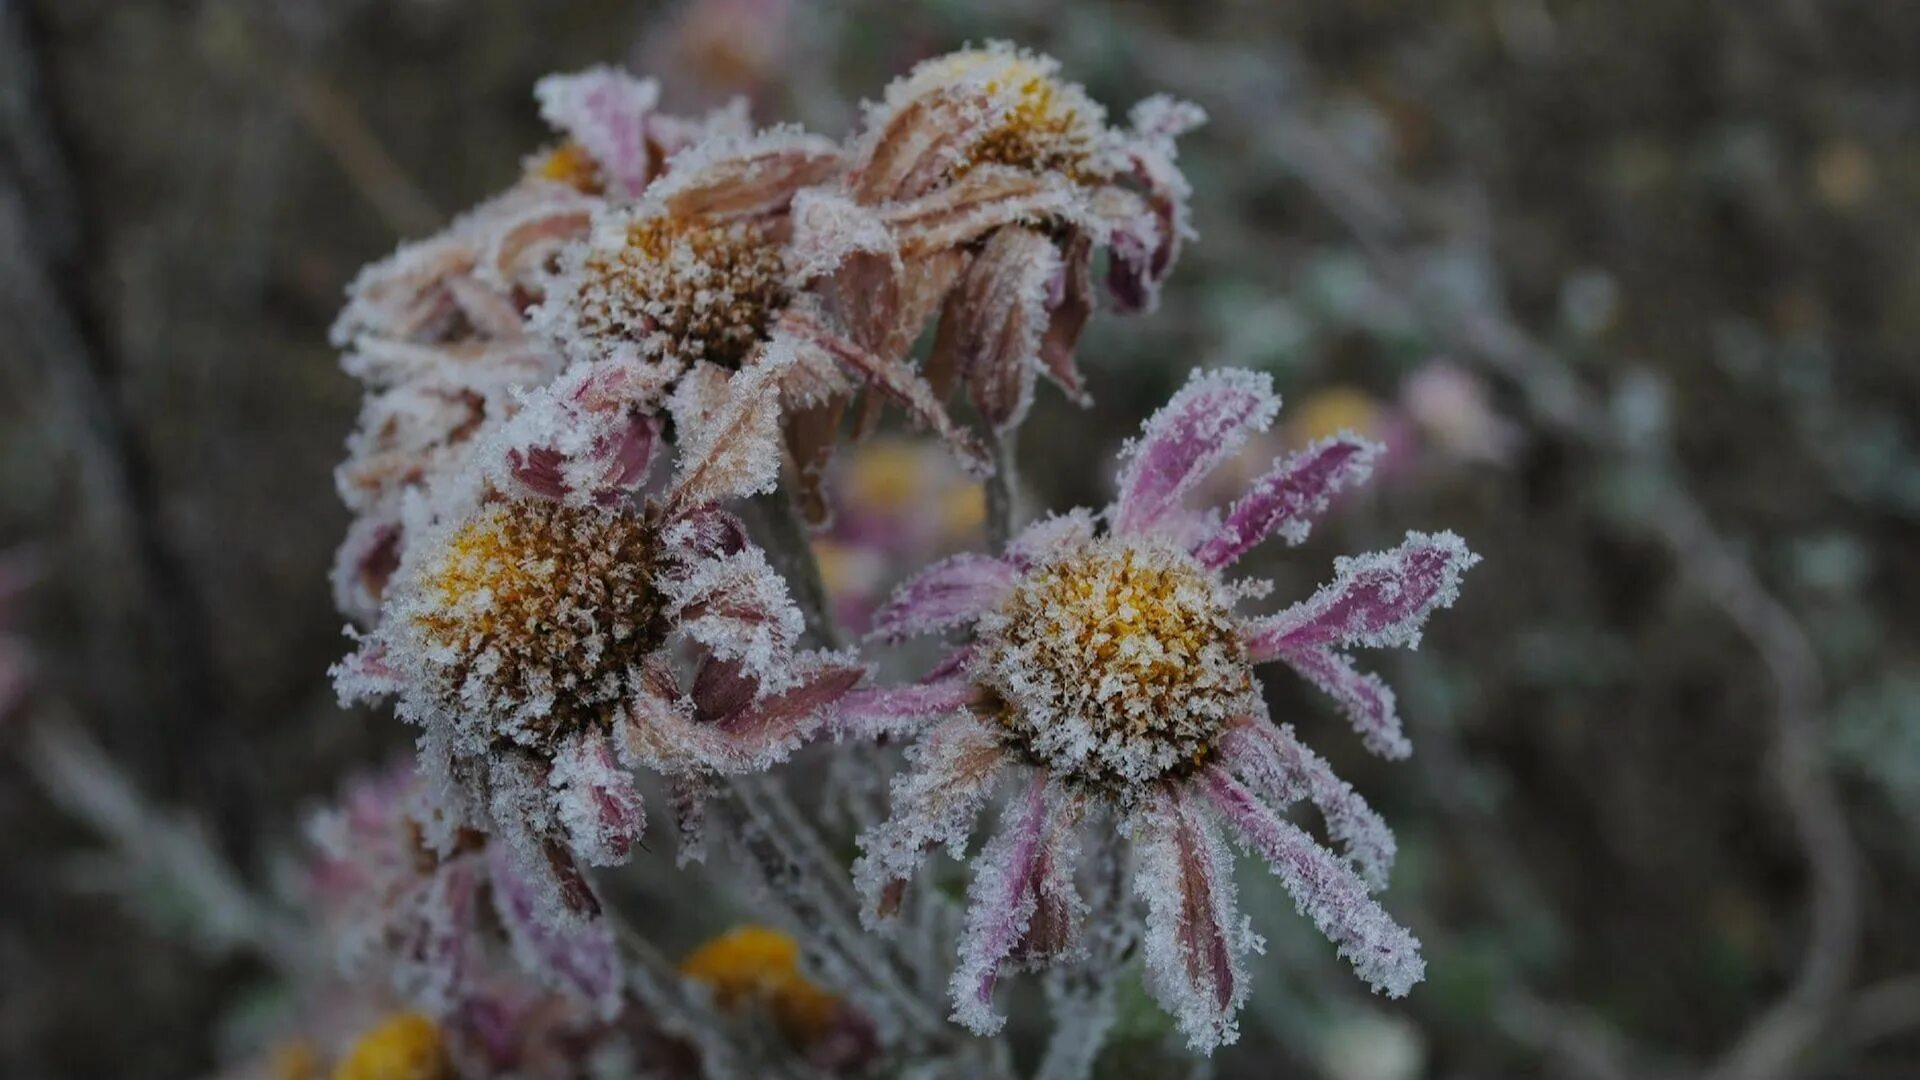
pixel 1630 288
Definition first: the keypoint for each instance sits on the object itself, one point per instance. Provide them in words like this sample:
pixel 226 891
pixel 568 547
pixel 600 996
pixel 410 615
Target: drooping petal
pixel 1001 901
pixel 896 710
pixel 745 175
pixel 1379 600
pixel 1324 889
pixel 1199 428
pixel 595 801
pixel 605 110
pixel 898 382
pixel 1067 316
pixel 738 607
pixel 950 592
pixel 577 957
pixel 953 772
pixel 1282 771
pixel 1290 496
pixel 1195 937
pixel 994 320
pixel 1143 257
pixel 434 957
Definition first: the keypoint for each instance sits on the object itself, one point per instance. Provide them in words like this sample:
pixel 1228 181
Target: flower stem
pixel 1003 487
pixel 791 550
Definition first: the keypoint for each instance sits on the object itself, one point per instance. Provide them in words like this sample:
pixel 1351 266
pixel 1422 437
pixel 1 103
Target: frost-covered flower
pixel 696 280
pixel 538 640
pixel 1108 669
pixel 438 330
pixel 980 188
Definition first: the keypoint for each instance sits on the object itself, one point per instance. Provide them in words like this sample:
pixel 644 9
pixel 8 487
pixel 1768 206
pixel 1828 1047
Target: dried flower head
pixel 980 190
pixel 537 639
pixel 438 331
pixel 1111 668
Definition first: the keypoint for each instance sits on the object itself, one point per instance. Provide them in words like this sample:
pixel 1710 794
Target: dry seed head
pixel 534 616
pixel 695 289
pixel 1117 664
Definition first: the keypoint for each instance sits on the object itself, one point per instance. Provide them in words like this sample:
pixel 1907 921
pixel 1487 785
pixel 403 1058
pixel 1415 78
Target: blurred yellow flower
pixel 1335 409
pixel 405 1046
pixel 757 964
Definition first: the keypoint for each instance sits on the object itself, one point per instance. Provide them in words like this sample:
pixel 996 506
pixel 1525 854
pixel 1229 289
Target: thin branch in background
pixel 1003 487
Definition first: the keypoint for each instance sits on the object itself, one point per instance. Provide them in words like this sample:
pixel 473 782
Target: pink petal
pixel 594 798
pixel 1000 906
pixel 1194 432
pixel 1144 254
pixel 895 710
pixel 1366 698
pixel 1288 498
pixel 434 960
pixel 954 770
pixel 1043 539
pixel 605 110
pixel 1195 938
pixel 579 957
pixel 1282 771
pixel 948 593
pixel 1324 889
pixel 1379 600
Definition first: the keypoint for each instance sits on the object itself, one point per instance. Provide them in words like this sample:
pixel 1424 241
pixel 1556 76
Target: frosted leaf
pixel 1001 902
pixel 1201 426
pixel 1195 938
pixel 953 591
pixel 1282 771
pixel 729 429
pixel 1324 889
pixel 953 772
pixel 738 607
pixel 990 332
pixel 1380 600
pixel 595 801
pixel 577 957
pixel 1289 497
pixel 606 111
pixel 898 710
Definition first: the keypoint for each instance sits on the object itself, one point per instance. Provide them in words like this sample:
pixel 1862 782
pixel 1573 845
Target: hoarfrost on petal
pixel 729 429
pixel 1380 600
pixel 595 801
pixel 950 592
pixel 606 111
pixel 954 770
pixel 576 957
pixel 1289 497
pixel 1001 901
pixel 895 710
pixel 1195 937
pixel 1324 889
pixel 1201 426
pixel 1282 771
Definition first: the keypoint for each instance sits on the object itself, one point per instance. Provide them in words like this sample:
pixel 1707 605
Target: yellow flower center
pixel 1049 125
pixel 1117 664
pixel 537 615
pixel 697 289
pixel 406 1046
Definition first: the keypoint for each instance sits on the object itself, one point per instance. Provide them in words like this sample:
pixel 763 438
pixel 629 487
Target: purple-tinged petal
pixel 1324 889
pixel 895 710
pixel 728 427
pixel 1001 901
pixel 1282 771
pixel 364 675
pixel 595 801
pixel 995 317
pixel 1366 698
pixel 669 735
pixel 735 606
pixel 1379 600
pixel 1288 499
pixel 954 770
pixel 1144 253
pixel 1195 937
pixel 950 592
pixel 1191 434
pixel 434 957
pixel 605 110
pixel 1068 310
pixel 579 957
